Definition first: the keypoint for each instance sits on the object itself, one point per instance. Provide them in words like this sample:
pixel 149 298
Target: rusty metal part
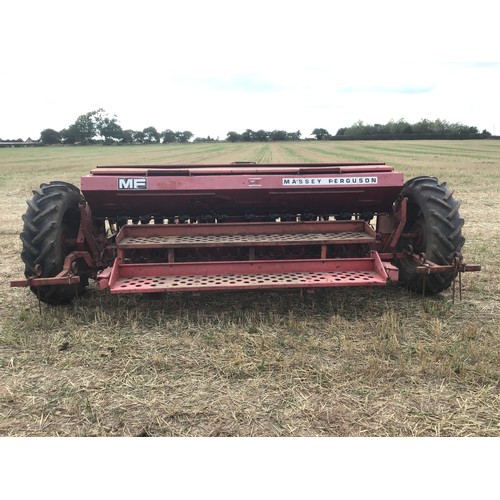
pixel 425 266
pixel 400 216
pixel 67 276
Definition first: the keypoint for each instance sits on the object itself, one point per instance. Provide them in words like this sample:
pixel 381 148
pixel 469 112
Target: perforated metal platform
pixel 191 277
pixel 244 234
pixel 143 284
pixel 344 237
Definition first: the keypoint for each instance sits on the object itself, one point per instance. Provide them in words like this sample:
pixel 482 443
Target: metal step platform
pixel 130 274
pixel 243 234
pixel 198 276
pixel 252 235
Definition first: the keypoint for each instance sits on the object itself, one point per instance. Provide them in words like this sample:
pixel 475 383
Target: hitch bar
pixel 68 275
pixel 62 278
pixel 431 268
pixel 425 266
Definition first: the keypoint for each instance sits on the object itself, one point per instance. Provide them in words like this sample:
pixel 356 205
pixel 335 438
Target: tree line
pixel 99 127
pixel 263 136
pixel 401 129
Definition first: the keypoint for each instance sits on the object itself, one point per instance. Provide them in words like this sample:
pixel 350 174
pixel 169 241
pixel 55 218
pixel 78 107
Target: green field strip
pixel 394 151
pixel 79 159
pixel 294 154
pixel 405 151
pixel 263 154
pixel 339 154
pixel 479 150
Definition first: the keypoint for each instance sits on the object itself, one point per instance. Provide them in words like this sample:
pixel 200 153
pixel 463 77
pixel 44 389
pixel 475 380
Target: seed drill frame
pixel 195 228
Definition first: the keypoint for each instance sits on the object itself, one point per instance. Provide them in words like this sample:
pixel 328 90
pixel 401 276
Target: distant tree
pixel 88 127
pixel 138 136
pixel 261 136
pixel 392 127
pixel 278 135
pixel 321 134
pixel 247 136
pixel 151 135
pixel 423 127
pixel 50 136
pixel 357 128
pixel 184 136
pixel 168 136
pixel 107 127
pixel 80 132
pixel 127 136
pixel 85 127
pixel 293 136
pixel 69 135
pixel 233 137
pixel 204 139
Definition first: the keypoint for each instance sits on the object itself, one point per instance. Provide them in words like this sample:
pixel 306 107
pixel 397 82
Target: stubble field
pixel 341 362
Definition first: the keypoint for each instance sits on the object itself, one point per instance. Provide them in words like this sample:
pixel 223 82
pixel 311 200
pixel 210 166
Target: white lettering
pixel 325 181
pixel 132 183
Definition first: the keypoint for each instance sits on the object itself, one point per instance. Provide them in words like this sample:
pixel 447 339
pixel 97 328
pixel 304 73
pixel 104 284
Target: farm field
pixel 339 362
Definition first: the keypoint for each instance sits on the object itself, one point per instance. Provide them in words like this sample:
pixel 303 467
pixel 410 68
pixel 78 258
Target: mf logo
pixel 132 183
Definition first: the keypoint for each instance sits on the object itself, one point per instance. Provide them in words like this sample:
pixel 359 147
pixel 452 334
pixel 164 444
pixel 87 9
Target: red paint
pixel 239 190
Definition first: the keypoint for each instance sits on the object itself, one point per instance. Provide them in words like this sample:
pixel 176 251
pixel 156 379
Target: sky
pixel 216 66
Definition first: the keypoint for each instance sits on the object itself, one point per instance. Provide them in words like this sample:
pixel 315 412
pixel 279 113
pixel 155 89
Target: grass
pixel 339 362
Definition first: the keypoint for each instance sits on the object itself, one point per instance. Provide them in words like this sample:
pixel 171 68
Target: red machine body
pixel 173 228
pixel 238 190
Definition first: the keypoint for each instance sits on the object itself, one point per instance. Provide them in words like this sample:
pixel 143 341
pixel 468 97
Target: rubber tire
pixel 52 217
pixel 433 212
